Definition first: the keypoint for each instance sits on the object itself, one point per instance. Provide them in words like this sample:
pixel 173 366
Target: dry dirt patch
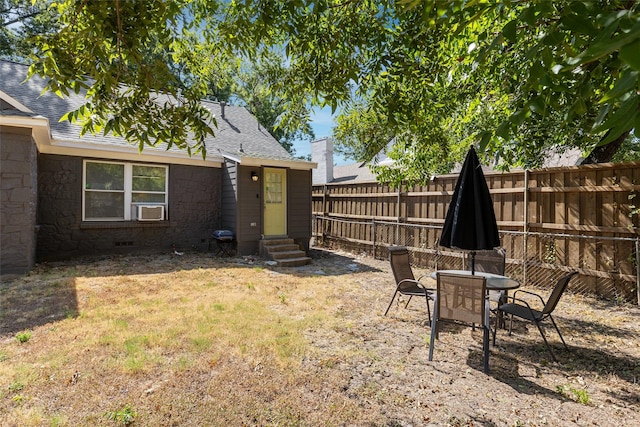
pixel 350 366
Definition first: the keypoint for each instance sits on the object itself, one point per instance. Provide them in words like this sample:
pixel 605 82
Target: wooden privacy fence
pixel 550 220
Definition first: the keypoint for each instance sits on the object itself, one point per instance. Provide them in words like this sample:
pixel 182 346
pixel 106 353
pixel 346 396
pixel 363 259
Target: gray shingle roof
pixel 352 173
pixel 238 133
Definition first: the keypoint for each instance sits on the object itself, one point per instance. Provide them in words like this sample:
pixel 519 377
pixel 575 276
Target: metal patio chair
pixel 493 261
pixel 462 299
pixel 522 309
pixel 406 283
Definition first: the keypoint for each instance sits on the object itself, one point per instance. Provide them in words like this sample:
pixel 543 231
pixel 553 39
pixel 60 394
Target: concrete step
pixel 294 262
pixel 275 242
pixel 281 255
pixel 282 248
pixel 285 252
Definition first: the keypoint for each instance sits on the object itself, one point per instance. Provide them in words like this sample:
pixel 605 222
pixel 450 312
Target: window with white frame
pixel 113 191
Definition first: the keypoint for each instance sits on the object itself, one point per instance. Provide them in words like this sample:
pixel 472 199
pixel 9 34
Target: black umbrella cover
pixel 471 221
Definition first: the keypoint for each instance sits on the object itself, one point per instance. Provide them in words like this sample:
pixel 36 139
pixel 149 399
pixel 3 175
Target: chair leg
pixel 510 324
pixel 408 301
pixel 558 331
pixel 502 300
pixel 394 297
pixel 485 345
pixel 495 331
pixel 434 328
pixel 546 342
pixel 428 309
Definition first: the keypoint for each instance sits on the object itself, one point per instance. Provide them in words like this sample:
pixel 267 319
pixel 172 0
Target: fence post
pixel 525 226
pixel 398 213
pixel 314 227
pixel 638 269
pixel 373 231
pixel 325 208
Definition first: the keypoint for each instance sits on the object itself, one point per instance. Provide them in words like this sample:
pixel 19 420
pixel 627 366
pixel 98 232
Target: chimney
pixel 322 154
pixel 222 105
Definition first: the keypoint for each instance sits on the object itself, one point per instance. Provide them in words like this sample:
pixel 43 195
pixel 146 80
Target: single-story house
pixel 64 195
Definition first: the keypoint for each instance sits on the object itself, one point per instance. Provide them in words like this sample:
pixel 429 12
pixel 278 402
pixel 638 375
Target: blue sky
pixel 322 124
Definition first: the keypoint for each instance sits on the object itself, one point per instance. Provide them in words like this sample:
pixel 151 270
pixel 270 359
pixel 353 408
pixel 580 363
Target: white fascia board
pixel 48 145
pixel 128 152
pixel 39 126
pixel 277 163
pixel 15 103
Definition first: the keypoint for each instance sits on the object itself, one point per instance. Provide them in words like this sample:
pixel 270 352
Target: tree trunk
pixel 604 153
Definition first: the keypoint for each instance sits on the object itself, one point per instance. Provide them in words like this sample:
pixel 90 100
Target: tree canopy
pixel 515 78
pixel 19 21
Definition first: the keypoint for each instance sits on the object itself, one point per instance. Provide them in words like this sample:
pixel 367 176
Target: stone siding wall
pixel 18 181
pixel 193 213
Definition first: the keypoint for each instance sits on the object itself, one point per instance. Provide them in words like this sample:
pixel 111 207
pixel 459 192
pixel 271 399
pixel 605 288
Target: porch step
pixel 285 247
pixel 294 262
pixel 284 251
pixel 282 255
pixel 277 242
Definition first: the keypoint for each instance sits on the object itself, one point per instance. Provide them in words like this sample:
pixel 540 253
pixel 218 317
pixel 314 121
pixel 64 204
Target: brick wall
pixel 193 213
pixel 18 177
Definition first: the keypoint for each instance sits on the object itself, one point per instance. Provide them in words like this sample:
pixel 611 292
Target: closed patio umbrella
pixel 471 221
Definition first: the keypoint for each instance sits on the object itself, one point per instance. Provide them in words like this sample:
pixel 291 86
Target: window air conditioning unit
pixel 150 212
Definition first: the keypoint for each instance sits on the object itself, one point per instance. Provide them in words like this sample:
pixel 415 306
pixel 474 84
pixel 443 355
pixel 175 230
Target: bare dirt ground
pixel 596 383
pixel 367 369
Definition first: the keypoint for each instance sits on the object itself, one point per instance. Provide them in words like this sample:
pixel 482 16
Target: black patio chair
pixel 522 309
pixel 462 299
pixel 406 283
pixel 493 261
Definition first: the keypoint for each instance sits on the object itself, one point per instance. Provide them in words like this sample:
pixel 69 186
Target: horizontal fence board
pixel 580 227
pixel 583 189
pixel 568 205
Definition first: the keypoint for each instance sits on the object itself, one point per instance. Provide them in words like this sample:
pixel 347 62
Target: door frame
pixel 267 215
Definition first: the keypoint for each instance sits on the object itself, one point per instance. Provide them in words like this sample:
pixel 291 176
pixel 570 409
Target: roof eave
pixel 49 145
pixel 262 161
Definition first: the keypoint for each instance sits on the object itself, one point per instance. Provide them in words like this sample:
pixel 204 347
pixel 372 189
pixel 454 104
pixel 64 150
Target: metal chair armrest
pixel 429 277
pixel 420 278
pixel 417 282
pixel 528 293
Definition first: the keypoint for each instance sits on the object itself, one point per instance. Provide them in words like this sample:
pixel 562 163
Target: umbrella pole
pixel 473 262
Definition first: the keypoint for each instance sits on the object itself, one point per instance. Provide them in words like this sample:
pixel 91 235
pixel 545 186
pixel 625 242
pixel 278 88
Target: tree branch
pixel 605 153
pixel 20 18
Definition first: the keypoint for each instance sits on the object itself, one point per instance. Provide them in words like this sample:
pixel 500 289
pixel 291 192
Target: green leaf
pixel 503 130
pixel 629 54
pixel 622 119
pixel 509 31
pixel 602 114
pixel 483 139
pixel 537 105
pixel 554 38
pixel 625 84
pixel 608 46
pixel 529 15
pixel 66 116
pixel 518 117
pixel 579 24
pixel 579 107
pixel 616 132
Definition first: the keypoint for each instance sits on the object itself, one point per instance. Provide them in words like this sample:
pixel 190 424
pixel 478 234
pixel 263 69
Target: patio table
pixel 495 282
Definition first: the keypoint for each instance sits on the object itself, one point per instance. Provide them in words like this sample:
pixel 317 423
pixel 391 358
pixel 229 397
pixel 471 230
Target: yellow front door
pixel 275 202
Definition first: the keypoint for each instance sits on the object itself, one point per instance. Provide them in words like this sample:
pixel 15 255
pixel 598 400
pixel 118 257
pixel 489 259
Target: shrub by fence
pixel 550 221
